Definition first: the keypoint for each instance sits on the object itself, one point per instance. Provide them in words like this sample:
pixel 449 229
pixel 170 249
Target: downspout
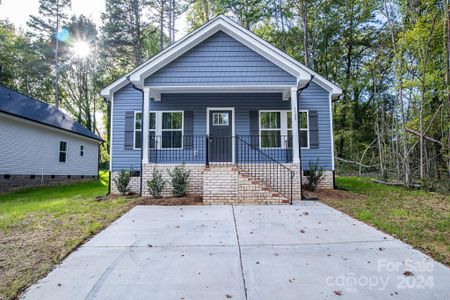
pixel 299 91
pixel 334 171
pixel 108 103
pixel 142 132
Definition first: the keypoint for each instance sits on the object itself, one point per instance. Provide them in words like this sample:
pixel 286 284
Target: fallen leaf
pixel 408 273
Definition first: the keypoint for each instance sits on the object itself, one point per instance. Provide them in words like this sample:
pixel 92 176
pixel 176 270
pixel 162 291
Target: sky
pixel 19 11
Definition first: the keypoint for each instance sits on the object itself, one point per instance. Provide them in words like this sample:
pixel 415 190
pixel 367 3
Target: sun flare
pixel 81 49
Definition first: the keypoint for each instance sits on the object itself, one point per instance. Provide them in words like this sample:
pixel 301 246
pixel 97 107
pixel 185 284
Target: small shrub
pixel 180 177
pixel 314 175
pixel 122 180
pixel 156 184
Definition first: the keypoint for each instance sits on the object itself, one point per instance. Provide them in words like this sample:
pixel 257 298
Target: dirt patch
pixel 170 201
pixel 324 194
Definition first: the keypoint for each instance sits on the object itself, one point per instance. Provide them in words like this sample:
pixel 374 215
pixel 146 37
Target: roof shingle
pixel 25 107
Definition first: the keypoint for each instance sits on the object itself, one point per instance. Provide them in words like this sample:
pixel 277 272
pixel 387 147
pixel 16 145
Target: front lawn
pixel 421 219
pixel 40 226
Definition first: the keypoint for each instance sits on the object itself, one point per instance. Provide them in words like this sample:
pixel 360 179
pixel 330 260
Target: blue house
pixel 244 117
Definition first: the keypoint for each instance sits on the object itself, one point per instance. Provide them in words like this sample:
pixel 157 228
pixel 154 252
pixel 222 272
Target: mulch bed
pixel 336 194
pixel 170 201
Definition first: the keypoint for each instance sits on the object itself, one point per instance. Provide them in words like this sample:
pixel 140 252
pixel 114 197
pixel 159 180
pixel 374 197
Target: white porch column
pixel 295 139
pixel 145 125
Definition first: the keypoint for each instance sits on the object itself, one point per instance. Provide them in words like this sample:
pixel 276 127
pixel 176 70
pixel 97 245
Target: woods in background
pixel 390 57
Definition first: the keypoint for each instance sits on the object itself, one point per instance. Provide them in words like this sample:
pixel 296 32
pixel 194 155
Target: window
pixel 81 150
pixel 172 130
pixel 270 129
pixel 138 130
pixel 220 119
pixel 276 129
pixel 62 151
pixel 167 125
pixel 303 125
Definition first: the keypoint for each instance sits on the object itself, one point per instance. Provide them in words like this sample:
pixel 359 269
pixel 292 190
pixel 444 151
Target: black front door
pixel 220 136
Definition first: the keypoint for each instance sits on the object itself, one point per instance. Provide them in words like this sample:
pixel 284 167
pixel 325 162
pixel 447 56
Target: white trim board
pixel 222 23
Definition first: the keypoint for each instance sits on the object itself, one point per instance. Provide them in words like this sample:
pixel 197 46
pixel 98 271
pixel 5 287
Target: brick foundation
pixel 10 183
pixel 195 183
pixel 224 184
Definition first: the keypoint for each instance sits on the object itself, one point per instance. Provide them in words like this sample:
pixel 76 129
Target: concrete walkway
pixel 304 251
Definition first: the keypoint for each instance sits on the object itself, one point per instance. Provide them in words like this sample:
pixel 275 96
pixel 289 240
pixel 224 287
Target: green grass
pixel 420 218
pixel 40 226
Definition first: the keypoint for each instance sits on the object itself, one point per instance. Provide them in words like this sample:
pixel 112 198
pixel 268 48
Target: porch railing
pixel 260 159
pixel 262 167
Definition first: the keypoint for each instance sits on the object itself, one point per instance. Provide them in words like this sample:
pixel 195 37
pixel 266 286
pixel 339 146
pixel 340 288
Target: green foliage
pixel 180 177
pixel 122 181
pixel 314 175
pixel 156 184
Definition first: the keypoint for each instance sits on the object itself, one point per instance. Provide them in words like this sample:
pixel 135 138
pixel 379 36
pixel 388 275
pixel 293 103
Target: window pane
pixel 152 139
pixel 171 139
pixel 270 138
pixel 138 139
pixel 152 120
pixel 303 122
pixel 173 120
pixel 62 146
pixel 270 120
pixel 138 121
pixel 220 119
pixel 303 138
pixel 289 139
pixel 289 119
pixel 62 157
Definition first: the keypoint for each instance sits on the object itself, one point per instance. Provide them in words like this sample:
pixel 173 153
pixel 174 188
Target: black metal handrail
pixel 262 167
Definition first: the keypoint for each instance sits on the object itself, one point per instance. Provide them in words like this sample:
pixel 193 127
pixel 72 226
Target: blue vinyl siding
pixel 125 99
pixel 220 60
pixel 317 98
pixel 128 99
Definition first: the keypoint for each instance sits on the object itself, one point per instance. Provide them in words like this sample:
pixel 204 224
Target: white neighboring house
pixel 40 145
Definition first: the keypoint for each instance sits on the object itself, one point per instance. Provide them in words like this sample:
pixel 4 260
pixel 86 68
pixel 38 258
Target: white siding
pixel 28 148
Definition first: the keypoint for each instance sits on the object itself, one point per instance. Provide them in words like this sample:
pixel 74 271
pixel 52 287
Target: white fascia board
pixel 108 91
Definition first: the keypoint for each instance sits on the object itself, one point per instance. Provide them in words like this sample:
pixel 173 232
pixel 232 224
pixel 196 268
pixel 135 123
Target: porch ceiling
pixel 156 91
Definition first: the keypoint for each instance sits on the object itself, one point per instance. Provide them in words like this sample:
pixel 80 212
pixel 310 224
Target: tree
pixel 52 15
pixel 123 31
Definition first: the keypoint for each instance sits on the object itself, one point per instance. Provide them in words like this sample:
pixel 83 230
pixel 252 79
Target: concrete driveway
pixel 304 251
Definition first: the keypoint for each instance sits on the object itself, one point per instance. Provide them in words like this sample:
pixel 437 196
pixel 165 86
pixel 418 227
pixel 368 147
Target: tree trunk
pixel 205 8
pixel 304 12
pixel 447 80
pixel 57 58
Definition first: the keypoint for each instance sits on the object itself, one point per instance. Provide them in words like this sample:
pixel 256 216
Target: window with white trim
pixel 167 124
pixel 138 124
pixel 303 126
pixel 62 151
pixel 276 129
pixel 270 129
pixel 81 150
pixel 172 130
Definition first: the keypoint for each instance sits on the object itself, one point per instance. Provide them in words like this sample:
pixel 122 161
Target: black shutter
pixel 129 130
pixel 188 139
pixel 254 128
pixel 313 130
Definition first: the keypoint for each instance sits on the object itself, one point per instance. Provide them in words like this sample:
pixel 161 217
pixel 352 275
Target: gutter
pixel 142 132
pixel 108 103
pixel 299 91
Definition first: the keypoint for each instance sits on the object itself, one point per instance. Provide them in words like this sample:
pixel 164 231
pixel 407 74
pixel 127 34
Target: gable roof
pixel 246 37
pixel 22 106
